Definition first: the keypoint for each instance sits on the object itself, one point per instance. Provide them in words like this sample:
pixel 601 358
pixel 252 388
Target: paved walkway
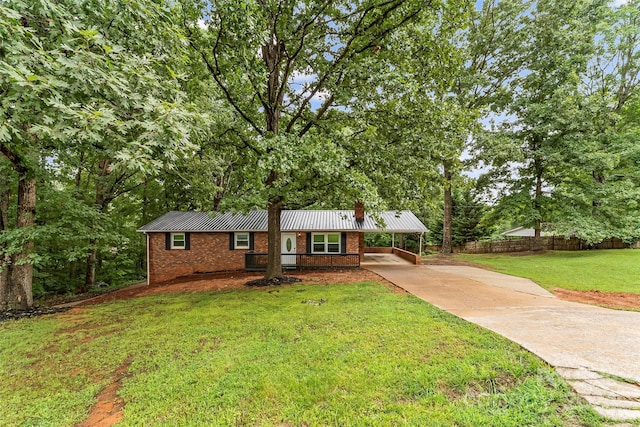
pixel 589 346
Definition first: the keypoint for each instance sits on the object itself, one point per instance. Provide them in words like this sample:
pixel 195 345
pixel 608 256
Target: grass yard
pixel 611 270
pixel 366 357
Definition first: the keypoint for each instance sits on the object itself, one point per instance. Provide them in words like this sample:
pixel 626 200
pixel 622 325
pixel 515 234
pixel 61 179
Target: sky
pixel 612 3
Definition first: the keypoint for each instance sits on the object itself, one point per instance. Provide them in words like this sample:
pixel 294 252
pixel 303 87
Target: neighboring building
pixel 186 243
pixel 524 232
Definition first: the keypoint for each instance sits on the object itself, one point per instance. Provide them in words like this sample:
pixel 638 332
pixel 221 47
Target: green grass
pixel 367 357
pixel 602 270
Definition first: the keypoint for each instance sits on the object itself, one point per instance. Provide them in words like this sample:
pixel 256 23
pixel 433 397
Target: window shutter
pixel 232 243
pixel 167 241
pixel 251 241
pixel 308 243
pixel 343 242
pixel 187 241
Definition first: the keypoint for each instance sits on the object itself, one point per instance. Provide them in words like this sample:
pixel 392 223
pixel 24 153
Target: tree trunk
pixel 78 177
pixel 537 235
pixel 5 264
pixel 5 273
pixel 20 295
pixel 100 203
pixel 447 220
pixel 274 257
pixel 272 53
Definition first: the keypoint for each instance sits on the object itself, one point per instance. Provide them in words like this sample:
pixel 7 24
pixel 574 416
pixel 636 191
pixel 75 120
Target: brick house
pixel 186 243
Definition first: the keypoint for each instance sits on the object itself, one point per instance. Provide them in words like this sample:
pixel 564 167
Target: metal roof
pixel 524 232
pixel 299 220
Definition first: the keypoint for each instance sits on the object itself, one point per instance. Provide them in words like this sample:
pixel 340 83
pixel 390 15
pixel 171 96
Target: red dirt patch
pixel 617 300
pixel 238 280
pixel 108 409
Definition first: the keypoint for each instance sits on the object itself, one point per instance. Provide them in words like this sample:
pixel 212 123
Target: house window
pixel 178 241
pixel 324 243
pixel 242 241
pixel 333 243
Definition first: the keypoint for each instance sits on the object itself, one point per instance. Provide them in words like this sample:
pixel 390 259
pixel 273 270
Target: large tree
pixel 544 119
pixel 601 189
pixel 73 78
pixel 286 68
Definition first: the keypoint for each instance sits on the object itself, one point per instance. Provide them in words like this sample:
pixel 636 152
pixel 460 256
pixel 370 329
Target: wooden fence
pixel 525 244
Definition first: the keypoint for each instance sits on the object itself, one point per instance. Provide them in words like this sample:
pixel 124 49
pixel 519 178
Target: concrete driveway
pixel 589 346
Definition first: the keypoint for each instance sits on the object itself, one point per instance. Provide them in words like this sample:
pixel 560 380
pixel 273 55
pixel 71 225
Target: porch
pixel 258 261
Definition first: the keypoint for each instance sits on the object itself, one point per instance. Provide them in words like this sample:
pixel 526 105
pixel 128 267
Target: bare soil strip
pixel 108 409
pixel 616 300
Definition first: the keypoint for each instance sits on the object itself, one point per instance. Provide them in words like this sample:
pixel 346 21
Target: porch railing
pixel 258 262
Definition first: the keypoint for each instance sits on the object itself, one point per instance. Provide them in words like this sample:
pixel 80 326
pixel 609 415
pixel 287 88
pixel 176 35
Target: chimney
pixel 359 212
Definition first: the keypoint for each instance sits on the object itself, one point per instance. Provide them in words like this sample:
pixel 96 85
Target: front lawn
pixel 607 270
pixel 365 356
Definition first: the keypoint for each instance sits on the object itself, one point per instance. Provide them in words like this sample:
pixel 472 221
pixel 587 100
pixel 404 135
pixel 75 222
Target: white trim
pixel 235 240
pixel 184 240
pixel 325 243
pixel 148 260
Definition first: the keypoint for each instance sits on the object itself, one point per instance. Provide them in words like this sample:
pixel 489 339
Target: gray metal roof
pixel 300 220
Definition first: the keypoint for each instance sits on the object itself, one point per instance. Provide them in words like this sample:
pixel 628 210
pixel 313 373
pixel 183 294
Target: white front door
pixel 288 249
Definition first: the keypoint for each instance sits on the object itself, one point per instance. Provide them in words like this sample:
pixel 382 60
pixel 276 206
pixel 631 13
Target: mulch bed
pixel 277 281
pixel 32 312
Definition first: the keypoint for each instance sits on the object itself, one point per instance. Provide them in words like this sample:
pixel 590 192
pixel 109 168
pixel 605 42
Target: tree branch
pixel 214 70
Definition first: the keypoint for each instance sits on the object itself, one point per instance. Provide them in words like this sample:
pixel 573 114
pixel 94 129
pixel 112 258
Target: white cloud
pixel 300 78
pixel 300 83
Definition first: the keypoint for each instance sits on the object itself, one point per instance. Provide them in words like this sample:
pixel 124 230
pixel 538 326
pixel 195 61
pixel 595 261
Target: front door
pixel 288 249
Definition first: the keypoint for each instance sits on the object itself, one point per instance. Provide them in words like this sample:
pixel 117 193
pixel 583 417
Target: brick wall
pixel 209 252
pixel 353 243
pixel 378 250
pixel 409 256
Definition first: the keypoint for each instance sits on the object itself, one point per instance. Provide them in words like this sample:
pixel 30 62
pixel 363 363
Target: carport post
pixel 393 240
pixel 420 247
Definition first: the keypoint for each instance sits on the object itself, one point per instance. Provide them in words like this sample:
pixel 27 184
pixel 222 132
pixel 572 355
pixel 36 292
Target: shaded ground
pixel 32 312
pixel 236 280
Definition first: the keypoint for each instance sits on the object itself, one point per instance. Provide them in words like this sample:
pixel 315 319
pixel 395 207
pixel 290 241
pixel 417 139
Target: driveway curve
pixel 597 350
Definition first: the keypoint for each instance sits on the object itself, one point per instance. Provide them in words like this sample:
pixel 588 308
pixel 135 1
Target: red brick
pixel 209 252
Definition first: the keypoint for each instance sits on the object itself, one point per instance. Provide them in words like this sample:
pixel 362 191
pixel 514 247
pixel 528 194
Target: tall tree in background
pixel 67 85
pixel 601 190
pixel 284 67
pixel 544 118
pixel 478 87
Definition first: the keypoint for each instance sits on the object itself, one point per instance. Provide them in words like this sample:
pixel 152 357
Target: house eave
pixel 309 230
pixel 292 221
